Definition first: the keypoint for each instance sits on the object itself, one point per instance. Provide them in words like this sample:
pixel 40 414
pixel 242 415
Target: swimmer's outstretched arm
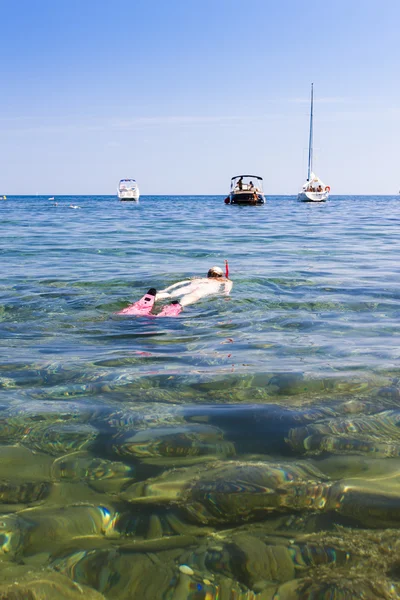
pixel 161 295
pixel 192 298
pixel 203 290
pixel 190 291
pixel 228 286
pixel 174 285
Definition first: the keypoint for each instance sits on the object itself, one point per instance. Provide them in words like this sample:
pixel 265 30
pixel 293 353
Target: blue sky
pixel 184 94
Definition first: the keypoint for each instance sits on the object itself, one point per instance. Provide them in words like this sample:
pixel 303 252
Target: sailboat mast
pixel 310 141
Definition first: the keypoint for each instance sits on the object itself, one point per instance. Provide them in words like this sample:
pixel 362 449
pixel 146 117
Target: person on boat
pixel 251 185
pixel 188 292
pixel 240 183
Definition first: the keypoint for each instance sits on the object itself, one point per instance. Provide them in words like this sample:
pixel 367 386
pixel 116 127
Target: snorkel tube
pixel 226 269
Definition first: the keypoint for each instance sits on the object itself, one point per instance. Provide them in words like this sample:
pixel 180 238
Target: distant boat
pixel 4 197
pixel 314 190
pixel 128 190
pixel 52 198
pixel 246 189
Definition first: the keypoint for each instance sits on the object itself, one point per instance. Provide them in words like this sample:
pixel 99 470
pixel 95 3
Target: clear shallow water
pixel 307 345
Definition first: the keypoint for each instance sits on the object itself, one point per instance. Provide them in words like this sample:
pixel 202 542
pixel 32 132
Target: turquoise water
pixel 300 364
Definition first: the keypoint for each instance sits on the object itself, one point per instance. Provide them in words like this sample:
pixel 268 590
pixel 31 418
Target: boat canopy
pixel 127 184
pixel 247 183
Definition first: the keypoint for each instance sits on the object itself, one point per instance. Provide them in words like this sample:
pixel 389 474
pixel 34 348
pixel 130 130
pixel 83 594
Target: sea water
pixel 286 391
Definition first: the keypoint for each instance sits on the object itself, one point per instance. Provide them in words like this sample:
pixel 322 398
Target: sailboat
pixel 314 190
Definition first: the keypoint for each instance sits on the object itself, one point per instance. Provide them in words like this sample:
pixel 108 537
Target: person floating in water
pixel 188 292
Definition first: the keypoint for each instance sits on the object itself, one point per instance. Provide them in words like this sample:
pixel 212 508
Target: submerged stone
pixel 43 529
pixel 18 463
pixel 130 575
pixel 23 493
pixel 235 491
pixel 100 474
pixel 356 588
pixel 59 438
pixel 184 443
pixel 377 435
pixel 132 417
pixel 22 583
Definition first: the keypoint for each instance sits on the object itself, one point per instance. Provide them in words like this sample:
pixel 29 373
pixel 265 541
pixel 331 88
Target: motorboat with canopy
pixel 128 190
pixel 246 189
pixel 313 190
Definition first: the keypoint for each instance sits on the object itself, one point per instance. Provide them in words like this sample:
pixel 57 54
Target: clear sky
pixel 184 94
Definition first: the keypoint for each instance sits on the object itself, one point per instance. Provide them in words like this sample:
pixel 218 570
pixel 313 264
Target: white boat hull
pixel 313 196
pixel 129 194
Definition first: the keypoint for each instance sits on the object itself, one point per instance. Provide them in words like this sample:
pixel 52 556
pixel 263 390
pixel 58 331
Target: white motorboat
pixel 246 189
pixel 128 190
pixel 314 190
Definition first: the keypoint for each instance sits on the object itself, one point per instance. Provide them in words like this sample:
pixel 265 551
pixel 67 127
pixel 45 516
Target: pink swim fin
pixel 171 310
pixel 142 306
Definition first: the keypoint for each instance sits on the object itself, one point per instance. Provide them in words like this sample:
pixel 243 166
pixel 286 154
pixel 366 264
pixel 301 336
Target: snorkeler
pixel 188 292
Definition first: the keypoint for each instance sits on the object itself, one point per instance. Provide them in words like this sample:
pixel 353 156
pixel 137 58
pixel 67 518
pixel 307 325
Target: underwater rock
pixel 372 503
pixel 186 443
pixel 43 529
pixel 287 384
pixel 329 565
pixel 67 493
pixel 100 474
pixel 233 491
pixel 377 435
pixel 28 421
pixel 59 438
pixel 390 392
pixel 118 576
pixel 12 531
pixel 133 417
pixel 346 466
pixel 248 562
pixel 353 407
pixel 256 558
pixel 18 463
pixel 242 557
pixel 10 432
pixel 22 583
pixel 48 410
pixel 23 492
pixel 356 588
pixel 247 565
pixel 27 475
pixel 142 523
pixel 236 492
pixel 127 575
